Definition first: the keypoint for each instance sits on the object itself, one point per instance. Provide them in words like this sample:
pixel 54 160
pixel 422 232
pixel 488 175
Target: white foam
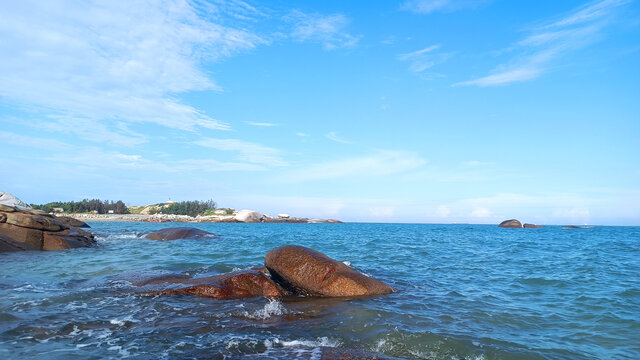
pixel 272 308
pixel 321 341
pixel 348 263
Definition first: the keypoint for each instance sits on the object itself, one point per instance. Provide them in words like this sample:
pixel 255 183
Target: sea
pixel 461 292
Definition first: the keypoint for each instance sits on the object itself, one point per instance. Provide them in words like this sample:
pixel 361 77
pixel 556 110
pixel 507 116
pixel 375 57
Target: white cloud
pixel 301 134
pixel 9 138
pixel 379 164
pixel 247 151
pixel 430 6
pixel 103 62
pixel 550 41
pixel 481 213
pixel 443 211
pixel 424 59
pixel 334 137
pixel 329 30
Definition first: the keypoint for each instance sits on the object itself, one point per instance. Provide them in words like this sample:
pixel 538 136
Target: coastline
pixel 161 218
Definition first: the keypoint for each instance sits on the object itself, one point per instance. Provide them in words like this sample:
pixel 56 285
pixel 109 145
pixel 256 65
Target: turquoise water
pixel 463 292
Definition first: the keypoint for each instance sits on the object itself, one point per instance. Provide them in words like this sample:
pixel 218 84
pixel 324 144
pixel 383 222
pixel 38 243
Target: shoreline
pixel 162 218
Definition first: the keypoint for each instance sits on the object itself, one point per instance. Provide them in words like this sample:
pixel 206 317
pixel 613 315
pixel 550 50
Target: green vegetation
pixel 84 206
pixel 191 208
pixel 227 211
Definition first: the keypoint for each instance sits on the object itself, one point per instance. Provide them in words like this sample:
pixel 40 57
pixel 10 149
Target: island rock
pixel 235 285
pixel 307 272
pixel 179 233
pixel 249 216
pixel 531 226
pixel 513 223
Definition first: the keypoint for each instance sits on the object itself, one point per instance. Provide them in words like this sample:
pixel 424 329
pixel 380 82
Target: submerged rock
pixel 513 223
pixel 532 226
pixel 27 229
pixel 179 233
pixel 235 285
pixel 307 272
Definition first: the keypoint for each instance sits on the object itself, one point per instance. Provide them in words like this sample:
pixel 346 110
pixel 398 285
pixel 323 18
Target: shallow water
pixel 463 292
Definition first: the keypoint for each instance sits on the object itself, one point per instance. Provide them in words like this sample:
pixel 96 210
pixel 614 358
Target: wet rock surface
pixel 307 272
pixel 234 285
pixel 179 233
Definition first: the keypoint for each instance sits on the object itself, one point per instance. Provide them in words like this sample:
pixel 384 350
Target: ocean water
pixel 463 292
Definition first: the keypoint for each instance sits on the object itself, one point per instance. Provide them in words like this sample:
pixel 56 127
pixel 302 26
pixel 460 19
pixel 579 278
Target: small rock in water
pixel 179 233
pixel 513 223
pixel 229 286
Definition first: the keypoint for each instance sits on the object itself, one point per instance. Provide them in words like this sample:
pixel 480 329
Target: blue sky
pixel 398 111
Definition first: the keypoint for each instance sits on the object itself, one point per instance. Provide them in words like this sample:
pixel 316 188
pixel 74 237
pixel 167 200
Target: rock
pixel 7 208
pixel 29 229
pixel 69 221
pixel 28 220
pixel 284 216
pixel 9 200
pixel 229 286
pixel 30 237
pixel 531 226
pixel 307 272
pixel 513 223
pixel 9 245
pixel 248 216
pixel 179 233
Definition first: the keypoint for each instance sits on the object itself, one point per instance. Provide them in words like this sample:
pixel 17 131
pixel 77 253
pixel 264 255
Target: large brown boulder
pixel 179 233
pixel 28 229
pixel 235 285
pixel 307 272
pixel 69 221
pixel 513 223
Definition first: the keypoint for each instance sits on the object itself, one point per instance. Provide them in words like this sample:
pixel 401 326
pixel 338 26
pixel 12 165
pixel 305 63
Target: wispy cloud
pixel 334 137
pixel 263 124
pixel 550 41
pixel 329 30
pixel 301 134
pixel 430 6
pixel 10 138
pixel 424 59
pixel 74 63
pixel 247 151
pixel 378 164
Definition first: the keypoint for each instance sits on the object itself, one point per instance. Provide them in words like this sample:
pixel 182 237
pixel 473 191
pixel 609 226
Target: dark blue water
pixel 463 292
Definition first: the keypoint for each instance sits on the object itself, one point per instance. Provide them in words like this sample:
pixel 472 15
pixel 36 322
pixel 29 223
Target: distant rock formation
pixel 23 228
pixel 307 272
pixel 179 233
pixel 249 216
pixel 532 226
pixel 513 223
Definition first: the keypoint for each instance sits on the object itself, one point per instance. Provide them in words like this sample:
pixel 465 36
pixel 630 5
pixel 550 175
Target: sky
pixel 427 111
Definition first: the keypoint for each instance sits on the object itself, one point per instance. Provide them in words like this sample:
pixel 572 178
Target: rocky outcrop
pixel 27 229
pixel 532 226
pixel 513 223
pixel 73 222
pixel 179 233
pixel 234 285
pixel 307 272
pixel 249 216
